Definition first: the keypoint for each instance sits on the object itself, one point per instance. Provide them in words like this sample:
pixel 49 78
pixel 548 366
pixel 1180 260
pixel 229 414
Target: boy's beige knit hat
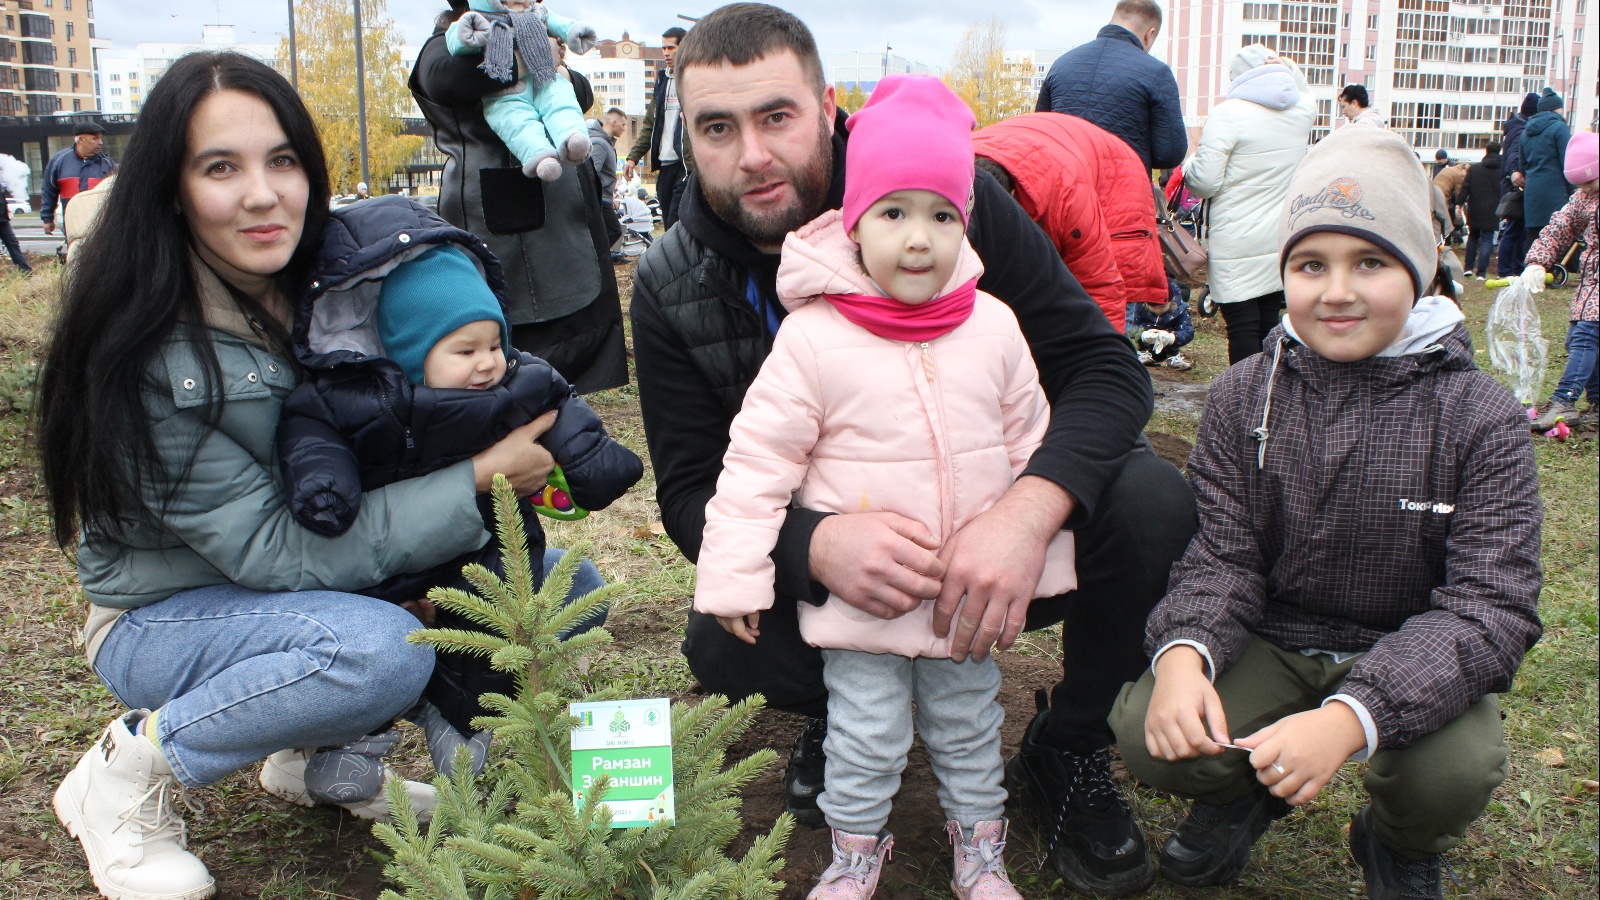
pixel 1365 181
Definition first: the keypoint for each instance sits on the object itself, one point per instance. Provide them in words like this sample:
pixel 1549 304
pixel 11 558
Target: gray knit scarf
pixel 524 33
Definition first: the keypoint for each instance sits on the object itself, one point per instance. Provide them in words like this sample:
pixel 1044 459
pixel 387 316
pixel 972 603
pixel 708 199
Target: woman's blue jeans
pixel 240 674
pixel 1581 374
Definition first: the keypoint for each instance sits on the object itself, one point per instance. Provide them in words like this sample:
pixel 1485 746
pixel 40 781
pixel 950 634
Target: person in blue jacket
pixel 73 171
pixel 1114 82
pixel 1544 150
pixel 1160 330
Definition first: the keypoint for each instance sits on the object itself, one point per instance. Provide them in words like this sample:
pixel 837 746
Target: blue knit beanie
pixel 1549 100
pixel 426 298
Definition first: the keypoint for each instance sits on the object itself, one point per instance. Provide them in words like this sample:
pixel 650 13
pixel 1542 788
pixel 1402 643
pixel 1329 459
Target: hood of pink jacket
pixel 820 258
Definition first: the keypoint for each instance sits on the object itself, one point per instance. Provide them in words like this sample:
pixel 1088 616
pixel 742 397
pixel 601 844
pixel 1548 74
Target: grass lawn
pixel 1538 838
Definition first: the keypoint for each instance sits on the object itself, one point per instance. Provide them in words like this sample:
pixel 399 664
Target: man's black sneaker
pixel 802 779
pixel 1089 832
pixel 1212 845
pixel 1391 876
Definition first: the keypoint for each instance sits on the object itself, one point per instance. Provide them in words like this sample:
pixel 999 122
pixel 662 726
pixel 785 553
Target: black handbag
pixel 1510 206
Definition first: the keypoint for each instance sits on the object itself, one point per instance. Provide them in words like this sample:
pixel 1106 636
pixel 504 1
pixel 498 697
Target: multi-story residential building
pixel 865 68
pixel 155 58
pixel 1028 67
pixel 1446 73
pixel 618 80
pixel 119 82
pixel 46 66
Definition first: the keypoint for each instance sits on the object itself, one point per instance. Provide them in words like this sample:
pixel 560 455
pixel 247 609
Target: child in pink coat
pixel 893 385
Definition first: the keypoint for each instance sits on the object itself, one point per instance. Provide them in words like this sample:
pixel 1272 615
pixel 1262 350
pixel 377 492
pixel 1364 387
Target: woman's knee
pixel 372 658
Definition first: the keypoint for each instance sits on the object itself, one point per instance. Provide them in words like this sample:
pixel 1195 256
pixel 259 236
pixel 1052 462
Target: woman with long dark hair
pixel 217 619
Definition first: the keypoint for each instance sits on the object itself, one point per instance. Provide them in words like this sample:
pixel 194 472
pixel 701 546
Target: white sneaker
pixel 1146 357
pixel 283 775
pixel 1176 361
pixel 119 802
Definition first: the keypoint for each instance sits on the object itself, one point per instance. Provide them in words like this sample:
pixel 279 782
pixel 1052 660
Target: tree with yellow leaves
pixel 850 98
pixel 979 75
pixel 326 51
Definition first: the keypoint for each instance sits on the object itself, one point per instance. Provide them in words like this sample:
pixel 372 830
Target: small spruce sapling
pixel 517 835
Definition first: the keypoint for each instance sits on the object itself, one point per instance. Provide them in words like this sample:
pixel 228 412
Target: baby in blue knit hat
pixel 409 369
pixel 441 324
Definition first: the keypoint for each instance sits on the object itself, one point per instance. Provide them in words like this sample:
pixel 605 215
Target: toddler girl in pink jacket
pixel 893 385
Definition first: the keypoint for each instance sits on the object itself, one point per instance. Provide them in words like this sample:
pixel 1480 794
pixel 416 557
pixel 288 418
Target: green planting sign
pixel 629 741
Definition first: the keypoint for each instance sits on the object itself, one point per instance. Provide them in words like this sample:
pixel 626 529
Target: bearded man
pixel 769 149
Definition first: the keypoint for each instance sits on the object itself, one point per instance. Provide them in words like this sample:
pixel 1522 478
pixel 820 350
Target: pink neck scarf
pixel 888 318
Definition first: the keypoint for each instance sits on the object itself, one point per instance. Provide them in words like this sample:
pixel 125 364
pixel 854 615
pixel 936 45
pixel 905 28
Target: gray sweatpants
pixel 869 735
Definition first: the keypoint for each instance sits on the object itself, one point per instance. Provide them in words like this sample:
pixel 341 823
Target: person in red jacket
pixel 1090 193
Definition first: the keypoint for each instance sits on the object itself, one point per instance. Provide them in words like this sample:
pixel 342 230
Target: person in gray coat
pixel 568 314
pixel 603 134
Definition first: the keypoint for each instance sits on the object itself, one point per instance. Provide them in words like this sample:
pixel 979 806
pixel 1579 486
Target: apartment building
pixel 865 68
pixel 1446 73
pixel 46 66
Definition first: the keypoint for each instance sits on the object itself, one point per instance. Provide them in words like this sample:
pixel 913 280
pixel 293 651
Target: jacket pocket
pixel 248 373
pixel 512 202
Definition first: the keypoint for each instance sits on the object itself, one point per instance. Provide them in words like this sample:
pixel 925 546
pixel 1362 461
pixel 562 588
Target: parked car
pixel 19 206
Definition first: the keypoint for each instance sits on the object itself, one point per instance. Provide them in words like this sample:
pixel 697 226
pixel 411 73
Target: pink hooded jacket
pixel 842 420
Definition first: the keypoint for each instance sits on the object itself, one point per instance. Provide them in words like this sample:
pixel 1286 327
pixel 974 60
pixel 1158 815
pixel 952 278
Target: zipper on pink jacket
pixel 947 501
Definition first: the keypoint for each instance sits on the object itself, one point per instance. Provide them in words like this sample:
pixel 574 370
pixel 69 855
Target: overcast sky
pixel 924 31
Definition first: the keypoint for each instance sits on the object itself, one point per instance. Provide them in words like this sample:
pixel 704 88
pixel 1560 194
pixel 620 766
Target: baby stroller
pixel 638 226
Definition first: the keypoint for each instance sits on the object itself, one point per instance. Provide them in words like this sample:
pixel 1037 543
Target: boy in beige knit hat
pixel 1365 575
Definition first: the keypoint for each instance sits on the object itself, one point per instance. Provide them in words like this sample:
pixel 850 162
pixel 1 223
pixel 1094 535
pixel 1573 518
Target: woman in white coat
pixel 1249 148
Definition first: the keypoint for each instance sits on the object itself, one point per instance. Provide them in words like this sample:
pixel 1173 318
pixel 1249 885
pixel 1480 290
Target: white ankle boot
pixel 283 775
pixel 118 802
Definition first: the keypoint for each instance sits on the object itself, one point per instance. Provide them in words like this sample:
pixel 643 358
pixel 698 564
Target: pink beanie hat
pixel 1583 157
pixel 914 134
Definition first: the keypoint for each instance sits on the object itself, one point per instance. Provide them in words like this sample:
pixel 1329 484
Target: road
pixel 31 234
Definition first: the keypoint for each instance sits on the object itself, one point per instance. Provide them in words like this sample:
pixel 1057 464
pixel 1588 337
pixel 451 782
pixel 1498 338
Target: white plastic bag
pixel 1516 346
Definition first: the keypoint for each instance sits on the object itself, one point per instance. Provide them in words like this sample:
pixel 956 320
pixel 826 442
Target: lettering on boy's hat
pixel 1364 182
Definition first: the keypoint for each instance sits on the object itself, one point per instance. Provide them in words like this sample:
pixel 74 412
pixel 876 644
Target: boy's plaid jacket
pixel 1394 511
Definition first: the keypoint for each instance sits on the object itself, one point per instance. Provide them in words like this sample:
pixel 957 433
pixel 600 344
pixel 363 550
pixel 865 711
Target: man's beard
pixel 810 182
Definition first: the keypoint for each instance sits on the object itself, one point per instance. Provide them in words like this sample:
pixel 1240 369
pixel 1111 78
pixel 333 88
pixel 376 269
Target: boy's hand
pixel 1296 756
pixel 1183 703
pixel 746 627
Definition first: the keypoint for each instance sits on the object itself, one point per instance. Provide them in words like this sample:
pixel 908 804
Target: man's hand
pixel 1296 756
pixel 992 567
pixel 746 627
pixel 881 563
pixel 629 168
pixel 1183 704
pixel 49 228
pixel 1518 180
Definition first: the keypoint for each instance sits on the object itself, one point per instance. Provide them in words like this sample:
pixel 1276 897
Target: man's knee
pixel 785 670
pixel 1150 506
